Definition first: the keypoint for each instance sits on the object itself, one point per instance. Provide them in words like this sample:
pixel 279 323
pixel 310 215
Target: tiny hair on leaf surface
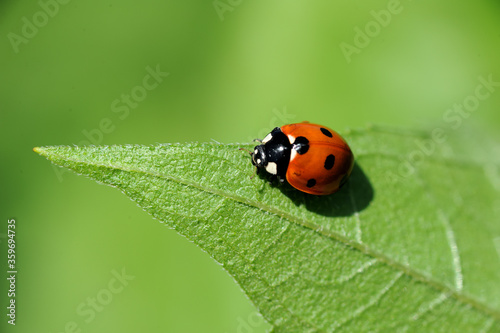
pixel 407 244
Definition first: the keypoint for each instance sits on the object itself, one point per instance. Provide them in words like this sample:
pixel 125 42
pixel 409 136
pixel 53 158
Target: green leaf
pixel 410 243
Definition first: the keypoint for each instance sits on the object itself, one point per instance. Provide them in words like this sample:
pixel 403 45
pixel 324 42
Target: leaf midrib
pixel 364 249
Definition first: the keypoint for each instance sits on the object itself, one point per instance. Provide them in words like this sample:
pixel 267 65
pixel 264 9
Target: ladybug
pixel 312 158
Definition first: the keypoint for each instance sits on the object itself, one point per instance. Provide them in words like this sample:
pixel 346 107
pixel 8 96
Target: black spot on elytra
pixel 301 145
pixel 326 132
pixel 329 162
pixel 311 182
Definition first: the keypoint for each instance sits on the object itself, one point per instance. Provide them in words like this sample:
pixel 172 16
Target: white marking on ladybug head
pixel 291 138
pixel 267 138
pixel 258 161
pixel 255 151
pixel 293 154
pixel 272 168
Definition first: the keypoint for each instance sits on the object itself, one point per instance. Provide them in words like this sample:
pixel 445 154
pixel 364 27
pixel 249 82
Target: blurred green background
pixel 236 69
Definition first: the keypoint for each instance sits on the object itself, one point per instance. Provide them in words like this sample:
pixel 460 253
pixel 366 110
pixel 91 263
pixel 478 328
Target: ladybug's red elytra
pixel 312 158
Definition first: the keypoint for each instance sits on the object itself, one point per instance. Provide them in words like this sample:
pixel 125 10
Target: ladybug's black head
pixel 273 155
pixel 259 157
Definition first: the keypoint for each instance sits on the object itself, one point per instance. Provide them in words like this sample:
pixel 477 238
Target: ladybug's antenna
pixel 254 172
pixel 248 151
pixel 251 154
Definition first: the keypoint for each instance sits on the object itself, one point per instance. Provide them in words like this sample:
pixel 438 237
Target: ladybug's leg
pixel 257 140
pixel 273 178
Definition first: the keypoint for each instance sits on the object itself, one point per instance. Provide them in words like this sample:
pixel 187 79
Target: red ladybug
pixel 312 158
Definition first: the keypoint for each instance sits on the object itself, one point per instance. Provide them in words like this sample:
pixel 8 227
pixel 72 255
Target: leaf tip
pixel 40 151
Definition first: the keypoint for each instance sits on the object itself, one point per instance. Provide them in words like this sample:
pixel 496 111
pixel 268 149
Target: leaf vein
pixel 371 302
pixel 450 236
